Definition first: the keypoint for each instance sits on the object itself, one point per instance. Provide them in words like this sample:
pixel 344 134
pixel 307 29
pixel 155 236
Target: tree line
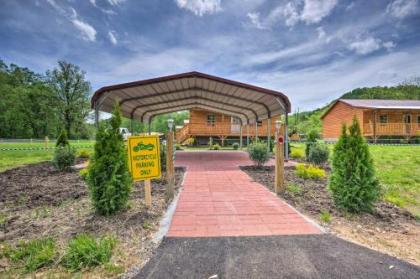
pixel 34 105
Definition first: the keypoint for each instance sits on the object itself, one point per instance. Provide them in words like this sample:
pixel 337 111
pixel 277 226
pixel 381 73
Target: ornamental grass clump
pixel 33 254
pixel 108 176
pixel 85 251
pixel 353 183
pixel 257 152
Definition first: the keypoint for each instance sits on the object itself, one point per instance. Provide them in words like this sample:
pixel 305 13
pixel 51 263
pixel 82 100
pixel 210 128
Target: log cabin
pixel 204 125
pixel 377 118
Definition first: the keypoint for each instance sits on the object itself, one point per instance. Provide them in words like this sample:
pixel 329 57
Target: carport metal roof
pixel 145 99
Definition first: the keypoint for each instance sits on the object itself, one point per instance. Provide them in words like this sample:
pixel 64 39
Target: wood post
pixel 240 137
pixel 247 134
pixel 268 135
pixel 148 193
pixel 374 126
pixel 279 166
pixel 256 130
pixel 170 170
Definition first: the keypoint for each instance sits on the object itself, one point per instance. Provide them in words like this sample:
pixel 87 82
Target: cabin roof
pixel 382 104
pixel 377 104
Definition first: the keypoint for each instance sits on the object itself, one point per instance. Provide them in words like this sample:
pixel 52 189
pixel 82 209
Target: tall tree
pixel 72 92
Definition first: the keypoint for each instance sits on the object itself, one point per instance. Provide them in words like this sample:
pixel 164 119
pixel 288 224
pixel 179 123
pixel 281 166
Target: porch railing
pixel 392 129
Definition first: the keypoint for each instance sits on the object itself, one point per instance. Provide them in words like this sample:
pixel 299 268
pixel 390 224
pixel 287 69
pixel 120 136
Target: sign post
pixel 279 167
pixel 144 161
pixel 170 171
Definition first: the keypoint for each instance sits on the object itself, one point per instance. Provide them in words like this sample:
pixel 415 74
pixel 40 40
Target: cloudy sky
pixel 312 50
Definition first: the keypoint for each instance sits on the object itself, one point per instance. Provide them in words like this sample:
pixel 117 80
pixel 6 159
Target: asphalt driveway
pixel 299 256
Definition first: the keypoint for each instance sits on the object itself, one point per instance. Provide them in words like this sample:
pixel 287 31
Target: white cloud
pixel 402 8
pixel 88 32
pixel 255 20
pixel 315 10
pixel 115 2
pixel 112 37
pixel 200 7
pixel 309 11
pixel 389 45
pixel 366 46
pixel 93 2
pixel 321 33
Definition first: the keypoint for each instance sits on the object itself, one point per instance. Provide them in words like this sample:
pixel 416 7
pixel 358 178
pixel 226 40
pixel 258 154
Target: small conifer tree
pixel 108 177
pixel 62 139
pixel 352 182
pixel 311 140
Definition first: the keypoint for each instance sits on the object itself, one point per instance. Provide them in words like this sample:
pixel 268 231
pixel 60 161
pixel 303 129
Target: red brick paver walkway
pixel 218 199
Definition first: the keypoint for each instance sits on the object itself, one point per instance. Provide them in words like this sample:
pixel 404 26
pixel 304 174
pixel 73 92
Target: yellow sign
pixel 144 157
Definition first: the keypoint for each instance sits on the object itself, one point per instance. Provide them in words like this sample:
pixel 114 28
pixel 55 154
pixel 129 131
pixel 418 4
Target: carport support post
pixel 268 135
pixel 256 130
pixel 279 166
pixel 170 179
pixel 240 137
pixel 247 135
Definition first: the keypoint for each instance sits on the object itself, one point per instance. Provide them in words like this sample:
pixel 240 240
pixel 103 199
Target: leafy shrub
pixel 293 188
pixel 318 153
pixel 325 216
pixel 83 154
pixel 189 141
pixel 64 157
pixel 296 153
pixel 353 183
pixel 108 177
pixel 85 251
pixel 33 254
pixel 257 152
pixel 309 171
pixel 84 173
pixel 215 147
pixel 313 136
pixel 235 146
pixel 62 139
pixel 178 146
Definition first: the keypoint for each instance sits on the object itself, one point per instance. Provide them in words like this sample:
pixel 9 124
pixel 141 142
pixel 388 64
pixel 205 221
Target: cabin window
pixel 211 119
pixel 383 119
pixel 259 123
pixel 418 120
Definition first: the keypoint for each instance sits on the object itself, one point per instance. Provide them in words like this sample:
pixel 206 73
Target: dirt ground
pixel 38 201
pixel 388 229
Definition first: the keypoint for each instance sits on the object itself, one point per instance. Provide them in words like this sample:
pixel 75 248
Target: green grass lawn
pixel 16 158
pixel 398 170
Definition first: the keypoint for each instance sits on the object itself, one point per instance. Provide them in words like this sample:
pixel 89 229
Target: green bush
pixel 257 152
pixel 352 183
pixel 85 251
pixel 296 153
pixel 84 173
pixel 64 157
pixel 109 180
pixel 235 146
pixel 318 153
pixel 83 154
pixel 33 254
pixel 293 188
pixel 178 146
pixel 62 139
pixel 313 136
pixel 325 216
pixel 309 171
pixel 163 156
pixel 215 147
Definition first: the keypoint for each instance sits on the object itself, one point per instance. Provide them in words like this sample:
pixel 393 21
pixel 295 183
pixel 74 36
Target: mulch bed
pixel 314 198
pixel 38 201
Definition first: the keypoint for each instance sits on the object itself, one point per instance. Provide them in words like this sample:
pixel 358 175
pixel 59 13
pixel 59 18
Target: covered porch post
pixel 240 137
pixel 268 135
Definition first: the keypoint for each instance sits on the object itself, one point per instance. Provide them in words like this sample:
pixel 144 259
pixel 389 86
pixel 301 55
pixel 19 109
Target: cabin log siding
pixel 369 120
pixel 337 116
